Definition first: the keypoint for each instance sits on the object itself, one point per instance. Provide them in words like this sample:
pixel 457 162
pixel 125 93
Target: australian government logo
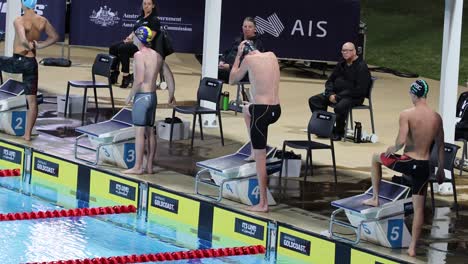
pixel 104 17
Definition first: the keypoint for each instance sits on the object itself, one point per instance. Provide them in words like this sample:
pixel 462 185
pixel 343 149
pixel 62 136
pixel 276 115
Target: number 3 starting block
pixel 383 225
pixel 112 141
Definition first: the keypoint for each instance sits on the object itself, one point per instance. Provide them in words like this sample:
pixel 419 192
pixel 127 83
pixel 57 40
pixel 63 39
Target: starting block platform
pixel 113 141
pixel 235 175
pixel 13 107
pixel 383 225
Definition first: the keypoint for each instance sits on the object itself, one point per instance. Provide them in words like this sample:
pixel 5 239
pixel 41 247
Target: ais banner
pixel 296 29
pixel 103 22
pixel 53 10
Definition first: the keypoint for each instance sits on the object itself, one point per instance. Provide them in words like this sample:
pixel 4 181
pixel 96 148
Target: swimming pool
pixel 89 237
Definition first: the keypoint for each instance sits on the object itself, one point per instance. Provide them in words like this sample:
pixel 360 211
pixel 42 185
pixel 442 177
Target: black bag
pixel 60 62
pixel 164 44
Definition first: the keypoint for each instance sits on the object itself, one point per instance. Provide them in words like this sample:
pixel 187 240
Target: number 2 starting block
pixel 13 107
pixel 112 141
pixel 383 225
pixel 234 178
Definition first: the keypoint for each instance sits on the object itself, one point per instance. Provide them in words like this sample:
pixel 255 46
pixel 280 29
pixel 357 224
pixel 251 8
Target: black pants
pixel 321 102
pixel 123 52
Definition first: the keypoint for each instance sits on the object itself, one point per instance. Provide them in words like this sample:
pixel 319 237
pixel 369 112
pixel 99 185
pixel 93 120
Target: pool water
pixel 89 237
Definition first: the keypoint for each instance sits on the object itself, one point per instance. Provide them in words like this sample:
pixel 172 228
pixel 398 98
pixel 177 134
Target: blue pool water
pixel 88 237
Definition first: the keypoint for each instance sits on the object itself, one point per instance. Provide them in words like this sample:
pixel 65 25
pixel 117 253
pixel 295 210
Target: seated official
pixel 346 87
pixel 249 32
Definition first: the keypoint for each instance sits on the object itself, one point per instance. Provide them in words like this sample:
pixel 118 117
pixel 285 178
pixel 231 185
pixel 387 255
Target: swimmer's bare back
pixel 264 77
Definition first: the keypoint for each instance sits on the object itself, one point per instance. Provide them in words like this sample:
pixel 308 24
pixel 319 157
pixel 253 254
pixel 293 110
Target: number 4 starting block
pixel 384 225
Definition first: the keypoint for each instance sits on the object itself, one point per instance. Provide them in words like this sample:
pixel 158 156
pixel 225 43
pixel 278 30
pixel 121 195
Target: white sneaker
pixel 446 189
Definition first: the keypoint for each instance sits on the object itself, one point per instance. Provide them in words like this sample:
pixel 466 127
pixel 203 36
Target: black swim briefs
pixel 261 117
pixel 419 170
pixel 25 65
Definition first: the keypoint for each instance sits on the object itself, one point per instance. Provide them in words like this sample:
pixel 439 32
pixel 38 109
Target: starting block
pixel 13 107
pixel 383 225
pixel 235 175
pixel 113 141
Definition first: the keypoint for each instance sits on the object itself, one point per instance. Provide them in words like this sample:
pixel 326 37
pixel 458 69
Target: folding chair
pixel 208 90
pixel 102 67
pixel 321 124
pixel 450 151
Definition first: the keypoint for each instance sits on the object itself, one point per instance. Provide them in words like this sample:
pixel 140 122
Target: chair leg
pixel 282 160
pixel 351 118
pixel 455 193
pixel 95 100
pixel 307 166
pixel 193 129
pixel 310 160
pixel 372 118
pixel 221 128
pixel 84 105
pixel 172 126
pixel 66 100
pixel 464 156
pixel 201 126
pixel 112 99
pixel 334 164
pixel 432 197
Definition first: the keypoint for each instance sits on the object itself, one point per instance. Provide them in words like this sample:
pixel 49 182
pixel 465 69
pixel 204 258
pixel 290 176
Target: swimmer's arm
pixel 52 36
pixel 170 83
pixel 237 73
pixel 402 135
pixel 19 28
pixel 440 144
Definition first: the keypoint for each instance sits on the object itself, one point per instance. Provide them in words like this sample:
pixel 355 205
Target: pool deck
pixel 305 205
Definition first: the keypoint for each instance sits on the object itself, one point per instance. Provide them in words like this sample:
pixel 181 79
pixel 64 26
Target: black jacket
pixel 229 56
pixel 349 81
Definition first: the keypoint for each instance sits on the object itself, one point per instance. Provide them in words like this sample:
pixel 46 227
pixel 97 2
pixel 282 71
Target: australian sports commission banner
pixel 53 10
pixel 297 29
pixel 103 22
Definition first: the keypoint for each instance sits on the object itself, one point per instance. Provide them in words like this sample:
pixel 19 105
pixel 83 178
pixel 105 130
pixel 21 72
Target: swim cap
pixel 248 47
pixel 420 88
pixel 144 34
pixel 31 4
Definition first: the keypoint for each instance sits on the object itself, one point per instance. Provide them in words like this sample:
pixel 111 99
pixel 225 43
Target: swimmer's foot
pixel 134 171
pixel 371 202
pixel 258 208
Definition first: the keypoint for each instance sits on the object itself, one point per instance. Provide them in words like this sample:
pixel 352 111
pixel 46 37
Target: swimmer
pixel 419 126
pixel 28 30
pixel 147 65
pixel 264 74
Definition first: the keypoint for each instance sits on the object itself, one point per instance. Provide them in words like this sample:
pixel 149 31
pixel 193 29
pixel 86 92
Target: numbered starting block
pixel 112 141
pixel 13 107
pixel 383 225
pixel 234 178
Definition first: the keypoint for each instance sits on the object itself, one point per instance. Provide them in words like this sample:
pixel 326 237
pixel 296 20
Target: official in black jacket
pixel 346 87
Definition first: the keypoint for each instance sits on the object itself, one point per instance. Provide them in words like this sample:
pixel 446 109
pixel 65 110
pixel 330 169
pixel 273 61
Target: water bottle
pixel 357 132
pixel 225 100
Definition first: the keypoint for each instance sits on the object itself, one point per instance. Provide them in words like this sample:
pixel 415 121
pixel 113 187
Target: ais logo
pixel 274 26
pixel 39 8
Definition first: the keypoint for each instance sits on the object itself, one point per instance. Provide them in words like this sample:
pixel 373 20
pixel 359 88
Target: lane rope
pixel 167 256
pixel 117 209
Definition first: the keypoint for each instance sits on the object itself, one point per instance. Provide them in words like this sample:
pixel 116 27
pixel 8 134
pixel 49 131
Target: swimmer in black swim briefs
pixel 419 170
pixel 25 65
pixel 261 117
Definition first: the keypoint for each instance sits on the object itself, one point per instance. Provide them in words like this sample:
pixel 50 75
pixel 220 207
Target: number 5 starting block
pixel 383 225
pixel 112 141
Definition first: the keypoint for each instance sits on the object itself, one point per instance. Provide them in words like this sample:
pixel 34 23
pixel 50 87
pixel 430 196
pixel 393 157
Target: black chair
pixel 461 128
pixel 208 90
pixel 450 151
pixel 364 106
pixel 102 67
pixel 321 124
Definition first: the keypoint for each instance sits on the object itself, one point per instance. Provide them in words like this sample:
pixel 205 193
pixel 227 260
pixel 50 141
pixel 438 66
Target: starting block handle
pixel 334 221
